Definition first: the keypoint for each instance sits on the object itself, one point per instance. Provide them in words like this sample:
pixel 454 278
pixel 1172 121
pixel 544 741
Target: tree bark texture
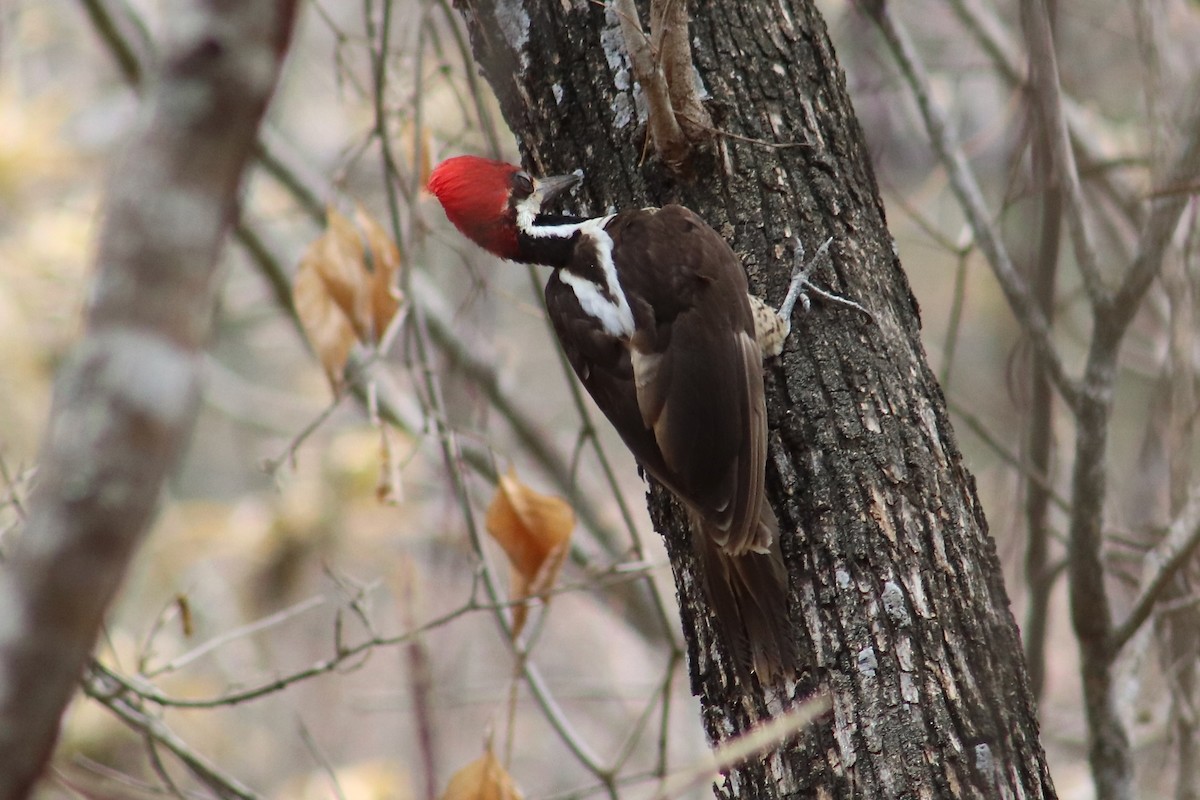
pixel 896 591
pixel 126 398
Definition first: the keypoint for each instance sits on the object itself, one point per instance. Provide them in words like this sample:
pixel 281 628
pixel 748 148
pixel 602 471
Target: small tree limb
pixel 127 397
pixel 1163 563
pixel 662 65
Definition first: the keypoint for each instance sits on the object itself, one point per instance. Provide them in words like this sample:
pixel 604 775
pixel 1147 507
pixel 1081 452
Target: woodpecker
pixel 653 311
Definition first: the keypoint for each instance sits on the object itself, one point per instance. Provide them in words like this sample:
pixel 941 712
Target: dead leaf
pixel 341 265
pixel 328 329
pixel 482 779
pixel 338 298
pixel 534 531
pixel 385 297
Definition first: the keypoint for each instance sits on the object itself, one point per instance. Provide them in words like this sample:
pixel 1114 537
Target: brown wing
pixel 602 363
pixel 685 392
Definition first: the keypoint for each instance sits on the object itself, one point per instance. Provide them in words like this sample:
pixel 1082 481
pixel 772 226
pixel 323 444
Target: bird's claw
pixel 800 285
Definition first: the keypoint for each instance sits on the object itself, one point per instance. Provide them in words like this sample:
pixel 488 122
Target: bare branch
pixel 127 397
pixel 1023 467
pixel 759 740
pixel 665 131
pixel 1161 224
pixel 1063 170
pixel 966 189
pixel 983 26
pixel 99 686
pixel 1162 564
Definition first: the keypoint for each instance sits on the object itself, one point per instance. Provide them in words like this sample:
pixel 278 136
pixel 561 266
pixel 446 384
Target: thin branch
pixel 108 27
pixel 1039 428
pixel 1160 226
pixel 758 740
pixel 278 618
pixel 982 25
pixel 997 446
pixel 11 482
pixel 670 142
pixel 1063 170
pixel 1162 564
pixel 99 687
pixel 966 189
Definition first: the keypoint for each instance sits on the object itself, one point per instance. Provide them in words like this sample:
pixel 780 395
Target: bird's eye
pixel 522 185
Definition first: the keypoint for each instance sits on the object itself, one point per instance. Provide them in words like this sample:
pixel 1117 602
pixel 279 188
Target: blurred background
pixel 311 614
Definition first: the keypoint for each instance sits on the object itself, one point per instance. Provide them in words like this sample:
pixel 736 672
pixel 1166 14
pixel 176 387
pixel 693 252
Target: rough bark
pixel 126 398
pixel 897 595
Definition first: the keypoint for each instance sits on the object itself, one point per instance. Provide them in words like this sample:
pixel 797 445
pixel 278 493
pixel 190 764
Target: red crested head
pixel 499 207
pixel 476 195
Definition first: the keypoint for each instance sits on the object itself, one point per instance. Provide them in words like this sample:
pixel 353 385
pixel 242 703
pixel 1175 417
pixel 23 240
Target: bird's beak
pixel 555 185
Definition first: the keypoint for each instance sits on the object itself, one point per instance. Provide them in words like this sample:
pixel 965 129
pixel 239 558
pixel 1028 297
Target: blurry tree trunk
pixel 126 398
pixel 898 600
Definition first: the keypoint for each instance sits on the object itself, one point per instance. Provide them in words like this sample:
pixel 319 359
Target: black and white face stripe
pixel 600 296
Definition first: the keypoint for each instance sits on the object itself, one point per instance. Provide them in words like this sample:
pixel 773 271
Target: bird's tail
pixel 749 597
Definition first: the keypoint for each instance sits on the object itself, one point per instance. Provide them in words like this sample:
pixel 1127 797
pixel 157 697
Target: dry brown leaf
pixel 340 263
pixel 534 530
pixel 385 262
pixel 328 329
pixel 483 779
pixel 338 298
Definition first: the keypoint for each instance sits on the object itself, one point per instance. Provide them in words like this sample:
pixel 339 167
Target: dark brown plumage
pixel 651 308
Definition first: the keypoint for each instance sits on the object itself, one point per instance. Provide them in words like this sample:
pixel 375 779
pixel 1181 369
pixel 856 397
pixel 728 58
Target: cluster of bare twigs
pixel 1131 236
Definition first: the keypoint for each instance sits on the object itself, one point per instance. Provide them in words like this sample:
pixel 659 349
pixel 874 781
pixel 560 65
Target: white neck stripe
pixel 614 314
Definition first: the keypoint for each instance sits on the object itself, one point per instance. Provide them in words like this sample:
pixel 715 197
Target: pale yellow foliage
pixel 483 779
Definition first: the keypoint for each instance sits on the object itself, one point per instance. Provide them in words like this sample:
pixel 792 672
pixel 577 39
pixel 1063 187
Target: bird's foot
pixel 773 326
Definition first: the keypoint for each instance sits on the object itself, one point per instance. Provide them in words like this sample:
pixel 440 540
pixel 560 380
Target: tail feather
pixel 749 597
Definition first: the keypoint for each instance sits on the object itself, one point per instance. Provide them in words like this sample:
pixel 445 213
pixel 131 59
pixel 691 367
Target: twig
pixel 966 189
pixel 982 25
pixel 107 26
pixel 95 685
pixel 757 740
pixel 991 440
pixel 661 696
pixel 318 755
pixel 1063 170
pixel 258 626
pixel 669 140
pixel 288 456
pixel 1162 564
pixel 421 685
pixel 1160 226
pixel 954 322
pixel 14 492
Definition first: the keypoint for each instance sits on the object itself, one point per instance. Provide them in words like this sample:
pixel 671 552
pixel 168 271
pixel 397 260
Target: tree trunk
pixel 127 397
pixel 897 597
